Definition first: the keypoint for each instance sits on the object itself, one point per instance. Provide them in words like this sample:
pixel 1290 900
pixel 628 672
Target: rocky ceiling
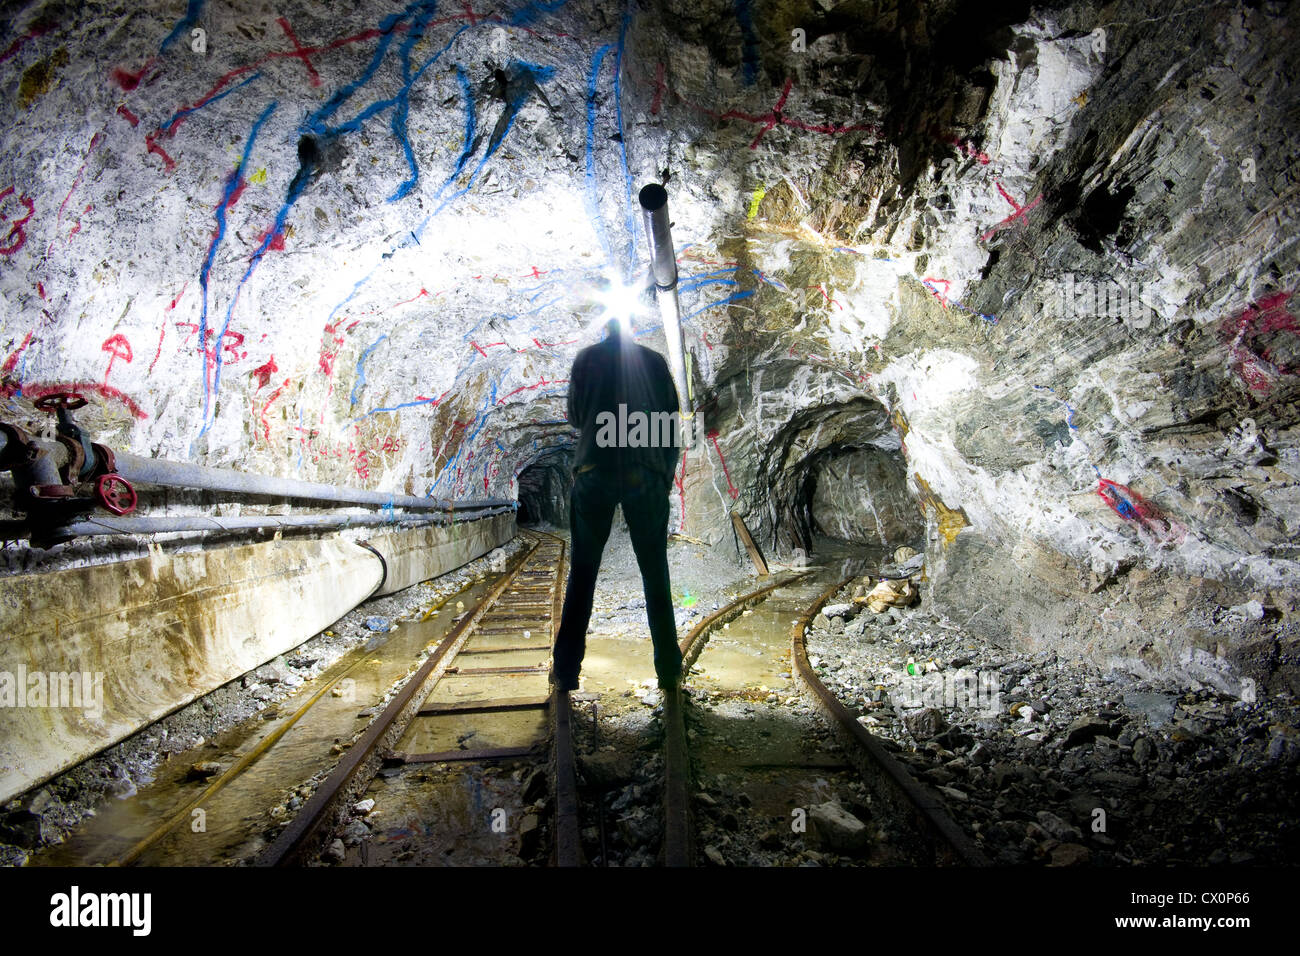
pixel 1043 255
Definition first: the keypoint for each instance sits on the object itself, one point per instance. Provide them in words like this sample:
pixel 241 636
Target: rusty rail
pixel 360 763
pixel 568 842
pixel 938 837
pixel 678 842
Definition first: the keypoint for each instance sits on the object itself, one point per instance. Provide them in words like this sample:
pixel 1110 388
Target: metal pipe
pixel 663 263
pixel 663 259
pixel 175 474
pixel 164 525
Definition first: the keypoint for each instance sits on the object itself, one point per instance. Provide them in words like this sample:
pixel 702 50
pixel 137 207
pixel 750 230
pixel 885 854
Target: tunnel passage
pixel 860 495
pixel 836 469
pixel 544 490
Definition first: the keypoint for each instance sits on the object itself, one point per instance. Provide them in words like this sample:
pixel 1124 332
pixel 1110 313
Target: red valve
pixel 69 400
pixel 116 494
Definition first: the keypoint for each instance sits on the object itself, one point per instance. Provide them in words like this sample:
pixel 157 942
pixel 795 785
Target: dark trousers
pixel 644 496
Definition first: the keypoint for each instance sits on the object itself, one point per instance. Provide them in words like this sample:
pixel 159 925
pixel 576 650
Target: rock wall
pixel 1044 254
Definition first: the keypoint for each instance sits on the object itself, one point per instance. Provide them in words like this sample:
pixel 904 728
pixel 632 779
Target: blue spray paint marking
pixel 1069 418
pixel 1069 421
pixel 184 24
pixel 393 408
pixel 190 110
pixel 361 370
pixel 749 41
pixel 526 76
pixel 593 198
pixel 316 122
pixel 991 319
pixel 701 282
pixel 232 184
pixel 316 125
pixel 471 124
pixel 736 297
pixel 530 12
pixel 420 14
pixel 403 99
pixel 777 283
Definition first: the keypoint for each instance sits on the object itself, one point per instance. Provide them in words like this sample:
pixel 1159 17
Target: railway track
pixel 478 704
pixel 472 760
pixel 910 823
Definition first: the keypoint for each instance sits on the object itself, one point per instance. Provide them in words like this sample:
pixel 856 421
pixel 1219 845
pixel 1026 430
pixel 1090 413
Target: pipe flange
pixel 49 492
pixel 105 460
pixel 76 458
pixel 18 449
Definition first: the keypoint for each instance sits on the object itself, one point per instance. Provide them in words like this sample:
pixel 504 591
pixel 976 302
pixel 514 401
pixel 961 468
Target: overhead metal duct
pixel 330 522
pixel 663 264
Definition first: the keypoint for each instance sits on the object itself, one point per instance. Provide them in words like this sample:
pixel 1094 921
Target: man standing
pixel 637 474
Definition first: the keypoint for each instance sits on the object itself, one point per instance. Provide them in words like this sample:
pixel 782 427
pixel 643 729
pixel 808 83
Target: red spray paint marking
pixel 39 30
pixel 930 282
pixel 731 489
pixel 659 90
pixel 151 145
pixel 17 235
pixel 1255 366
pixel 263 373
pixel 11 363
pixel 77 228
pixel 117 347
pixel 95 141
pixel 299 52
pixel 210 351
pixel 529 388
pixel 237 192
pixel 330 349
pixel 969 150
pixel 76 388
pixel 820 287
pixel 129 81
pixel 266 426
pixel 163 331
pixel 776 117
pixel 1131 506
pixel 130 117
pixel 276 244
pixel 1019 213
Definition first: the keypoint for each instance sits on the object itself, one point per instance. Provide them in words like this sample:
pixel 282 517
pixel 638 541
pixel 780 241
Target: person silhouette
pixel 615 381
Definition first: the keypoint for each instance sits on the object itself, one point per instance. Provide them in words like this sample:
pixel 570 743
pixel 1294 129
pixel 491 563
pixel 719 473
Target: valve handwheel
pixel 116 494
pixel 51 403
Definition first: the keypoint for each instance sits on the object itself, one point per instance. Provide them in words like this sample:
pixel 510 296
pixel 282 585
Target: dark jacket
pixel 617 372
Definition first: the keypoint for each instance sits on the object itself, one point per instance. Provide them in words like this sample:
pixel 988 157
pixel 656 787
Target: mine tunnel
pixel 982 538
